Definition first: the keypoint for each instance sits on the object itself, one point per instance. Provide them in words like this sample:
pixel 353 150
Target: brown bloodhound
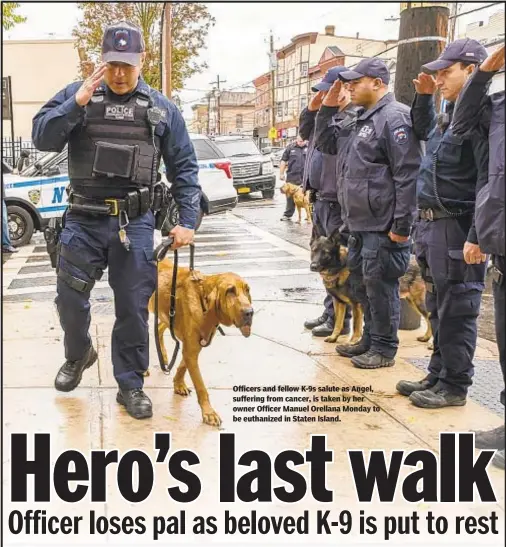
pixel 203 302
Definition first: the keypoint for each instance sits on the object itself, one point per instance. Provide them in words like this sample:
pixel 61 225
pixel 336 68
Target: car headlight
pixel 267 168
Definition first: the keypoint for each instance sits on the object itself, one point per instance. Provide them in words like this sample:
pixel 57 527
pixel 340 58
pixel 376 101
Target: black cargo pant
pixel 327 220
pixel 376 263
pixel 499 288
pixel 453 299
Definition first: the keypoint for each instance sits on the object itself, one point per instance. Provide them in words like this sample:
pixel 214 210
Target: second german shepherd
pixel 329 258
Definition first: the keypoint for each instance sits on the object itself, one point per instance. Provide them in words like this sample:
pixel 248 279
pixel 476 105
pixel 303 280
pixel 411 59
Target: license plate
pixel 243 190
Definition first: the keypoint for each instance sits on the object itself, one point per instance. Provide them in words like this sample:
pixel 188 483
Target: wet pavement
pixel 273 257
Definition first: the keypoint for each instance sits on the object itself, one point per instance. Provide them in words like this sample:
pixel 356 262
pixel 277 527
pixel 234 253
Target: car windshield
pixel 233 149
pixel 37 166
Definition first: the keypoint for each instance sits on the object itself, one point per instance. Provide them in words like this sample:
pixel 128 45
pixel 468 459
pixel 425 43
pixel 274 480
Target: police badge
pixel 34 196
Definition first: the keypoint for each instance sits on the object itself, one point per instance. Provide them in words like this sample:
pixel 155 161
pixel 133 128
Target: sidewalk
pixel 279 352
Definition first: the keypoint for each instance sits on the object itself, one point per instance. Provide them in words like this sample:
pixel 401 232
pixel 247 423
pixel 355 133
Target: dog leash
pixel 158 255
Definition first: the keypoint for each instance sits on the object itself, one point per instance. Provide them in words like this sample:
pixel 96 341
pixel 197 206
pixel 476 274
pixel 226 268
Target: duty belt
pixel 134 204
pixel 319 197
pixel 433 214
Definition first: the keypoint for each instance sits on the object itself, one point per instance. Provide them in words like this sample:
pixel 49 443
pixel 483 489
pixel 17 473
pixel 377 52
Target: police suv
pixel 38 193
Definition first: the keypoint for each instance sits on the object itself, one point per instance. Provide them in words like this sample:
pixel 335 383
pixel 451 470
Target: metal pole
pixel 167 50
pixel 273 89
pixel 12 122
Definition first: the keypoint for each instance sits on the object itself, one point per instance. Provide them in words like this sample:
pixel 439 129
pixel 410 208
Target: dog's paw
pixel 182 389
pixel 211 417
pixel 331 339
pixel 146 373
pixel 354 340
pixel 423 338
pixel 431 346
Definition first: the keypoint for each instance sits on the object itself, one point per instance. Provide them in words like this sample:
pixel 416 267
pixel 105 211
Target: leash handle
pixel 192 257
pixel 158 255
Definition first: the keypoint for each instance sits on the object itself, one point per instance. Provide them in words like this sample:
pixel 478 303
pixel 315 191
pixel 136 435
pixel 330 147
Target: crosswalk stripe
pixel 201 264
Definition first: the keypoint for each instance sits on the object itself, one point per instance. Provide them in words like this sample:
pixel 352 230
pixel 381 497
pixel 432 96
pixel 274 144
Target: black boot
pixel 372 359
pixel 325 329
pixel 312 323
pixel 493 439
pixel 351 350
pixel 405 387
pixel 70 374
pixel 437 398
pixel 136 402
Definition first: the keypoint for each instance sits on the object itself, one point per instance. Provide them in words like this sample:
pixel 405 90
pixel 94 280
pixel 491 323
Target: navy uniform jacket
pixel 475 110
pixel 379 176
pixel 332 140
pixel 313 166
pixel 55 121
pixel 295 157
pixel 460 163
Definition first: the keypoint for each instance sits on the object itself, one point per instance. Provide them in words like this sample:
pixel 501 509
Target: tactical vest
pixel 115 145
pixel 489 209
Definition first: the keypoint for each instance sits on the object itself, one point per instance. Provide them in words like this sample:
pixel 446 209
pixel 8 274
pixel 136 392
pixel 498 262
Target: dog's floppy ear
pixel 212 299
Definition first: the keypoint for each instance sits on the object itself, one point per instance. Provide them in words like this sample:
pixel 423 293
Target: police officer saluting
pixel 317 123
pixel 477 111
pixel 292 162
pixel 453 264
pixel 378 201
pixel 116 127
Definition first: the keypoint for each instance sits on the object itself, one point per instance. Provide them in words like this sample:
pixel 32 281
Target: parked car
pixel 252 171
pixel 38 193
pixel 276 156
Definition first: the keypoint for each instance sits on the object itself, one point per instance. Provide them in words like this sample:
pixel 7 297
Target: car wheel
pixel 268 194
pixel 21 225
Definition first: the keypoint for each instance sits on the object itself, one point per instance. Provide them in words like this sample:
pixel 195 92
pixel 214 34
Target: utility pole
pixel 273 82
pixel 218 93
pixel 167 49
pixel 208 111
pixel 422 37
pixel 453 21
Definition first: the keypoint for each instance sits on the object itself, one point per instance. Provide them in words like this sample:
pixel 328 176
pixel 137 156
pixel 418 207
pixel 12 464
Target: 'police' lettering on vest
pixel 119 112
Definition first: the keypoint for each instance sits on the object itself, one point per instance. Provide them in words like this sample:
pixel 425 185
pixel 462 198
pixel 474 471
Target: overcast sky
pixel 237 45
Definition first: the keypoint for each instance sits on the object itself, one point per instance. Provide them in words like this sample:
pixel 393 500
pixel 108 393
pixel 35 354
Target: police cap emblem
pixel 34 196
pixel 121 39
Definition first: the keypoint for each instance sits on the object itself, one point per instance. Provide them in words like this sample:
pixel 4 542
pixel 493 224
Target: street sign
pixel 273 133
pixel 6 99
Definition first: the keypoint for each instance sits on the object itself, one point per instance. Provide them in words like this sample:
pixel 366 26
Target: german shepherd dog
pixel 329 258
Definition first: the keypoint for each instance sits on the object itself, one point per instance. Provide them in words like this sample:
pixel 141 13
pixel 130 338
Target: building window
pixel 303 102
pixel 304 69
pixel 280 81
pixel 238 121
pixel 286 108
pixel 279 112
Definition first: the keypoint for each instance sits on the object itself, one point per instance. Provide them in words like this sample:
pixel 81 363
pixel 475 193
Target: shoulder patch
pixel 400 134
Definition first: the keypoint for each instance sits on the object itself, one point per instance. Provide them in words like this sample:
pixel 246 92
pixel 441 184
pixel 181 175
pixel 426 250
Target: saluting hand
pixel 332 97
pixel 473 254
pixel 494 62
pixel 316 101
pixel 85 92
pixel 425 84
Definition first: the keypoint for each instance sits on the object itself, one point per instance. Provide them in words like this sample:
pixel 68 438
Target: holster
pixel 52 234
pixel 162 198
